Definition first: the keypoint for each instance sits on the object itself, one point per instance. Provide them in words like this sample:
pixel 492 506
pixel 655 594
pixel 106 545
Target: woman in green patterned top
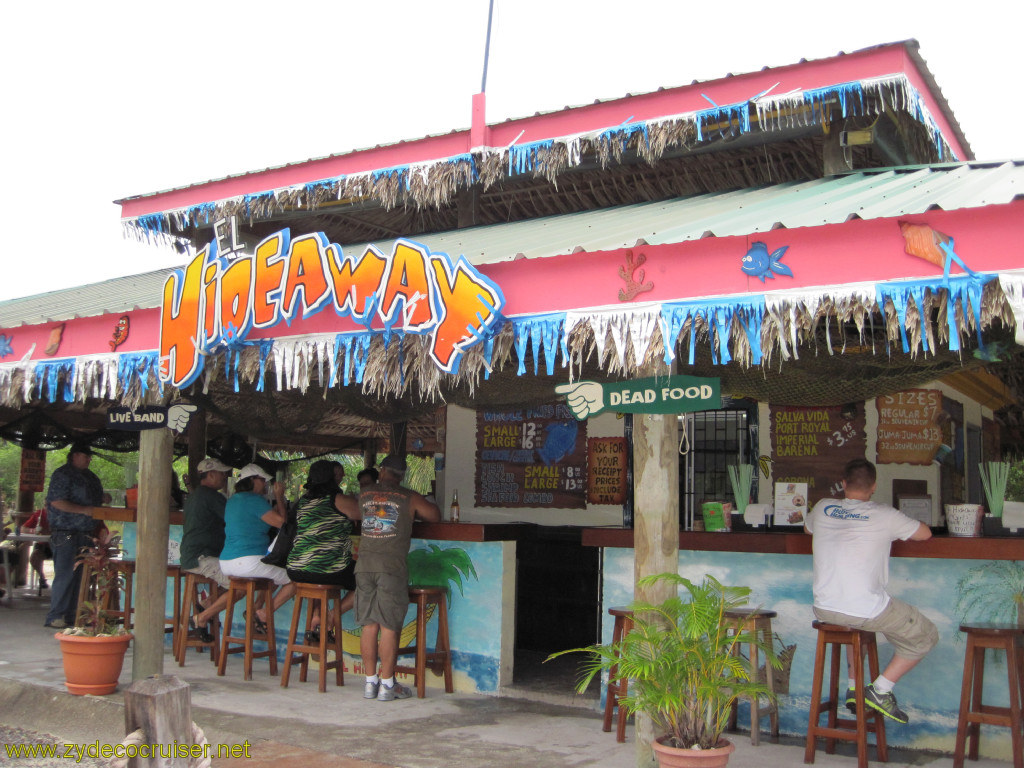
pixel 322 551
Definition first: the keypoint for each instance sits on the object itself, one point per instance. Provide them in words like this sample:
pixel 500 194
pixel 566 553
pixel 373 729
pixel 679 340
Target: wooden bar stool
pixel 623 624
pixel 239 588
pixel 87 584
pixel 171 622
pixel 973 713
pixel 190 606
pixel 123 572
pixel 755 622
pixel 328 598
pixel 440 659
pixel 834 637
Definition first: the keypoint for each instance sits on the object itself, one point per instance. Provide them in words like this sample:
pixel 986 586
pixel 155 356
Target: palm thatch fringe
pixel 622 341
pixel 436 183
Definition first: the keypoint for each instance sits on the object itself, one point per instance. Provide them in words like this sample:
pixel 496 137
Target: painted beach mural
pixel 472 574
pixel 947 591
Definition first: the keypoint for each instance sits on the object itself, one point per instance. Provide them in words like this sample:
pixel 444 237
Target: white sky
pixel 112 99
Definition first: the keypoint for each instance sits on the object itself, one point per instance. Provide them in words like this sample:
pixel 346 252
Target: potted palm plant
pixel 93 650
pixel 683 668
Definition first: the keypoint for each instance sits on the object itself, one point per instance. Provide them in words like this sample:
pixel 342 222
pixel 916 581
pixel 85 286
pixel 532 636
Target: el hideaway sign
pixel 661 394
pixel 224 293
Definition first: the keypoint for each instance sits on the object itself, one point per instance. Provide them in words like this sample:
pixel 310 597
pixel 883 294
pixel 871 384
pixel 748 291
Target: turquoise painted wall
pixel 930 693
pixel 473 616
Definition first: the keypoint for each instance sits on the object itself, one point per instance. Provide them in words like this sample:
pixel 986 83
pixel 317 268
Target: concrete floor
pixel 339 729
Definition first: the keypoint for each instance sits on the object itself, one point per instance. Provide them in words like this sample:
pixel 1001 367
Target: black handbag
pixel 282 545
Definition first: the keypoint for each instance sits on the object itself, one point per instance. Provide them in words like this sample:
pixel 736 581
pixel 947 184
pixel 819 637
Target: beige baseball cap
pixel 213 465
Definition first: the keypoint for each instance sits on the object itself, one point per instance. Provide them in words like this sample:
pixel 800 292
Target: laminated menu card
pixel 790 503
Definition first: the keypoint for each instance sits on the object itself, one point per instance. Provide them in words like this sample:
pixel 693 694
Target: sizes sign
pixel 531 457
pixel 908 426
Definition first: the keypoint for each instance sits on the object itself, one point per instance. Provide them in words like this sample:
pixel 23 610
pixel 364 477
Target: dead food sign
pixel 662 394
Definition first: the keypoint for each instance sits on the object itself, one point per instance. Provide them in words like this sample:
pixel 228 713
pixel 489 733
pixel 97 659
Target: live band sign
pixel 136 419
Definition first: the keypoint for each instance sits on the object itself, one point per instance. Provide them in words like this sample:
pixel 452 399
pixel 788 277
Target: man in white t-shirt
pixel 852 537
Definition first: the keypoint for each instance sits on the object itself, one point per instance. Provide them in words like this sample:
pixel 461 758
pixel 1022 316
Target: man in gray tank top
pixel 382 578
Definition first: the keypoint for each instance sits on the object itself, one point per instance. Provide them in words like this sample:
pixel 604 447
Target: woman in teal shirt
pixel 248 518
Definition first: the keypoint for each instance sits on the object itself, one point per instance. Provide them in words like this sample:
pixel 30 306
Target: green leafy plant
pixel 435 567
pixel 681 661
pixel 94 616
pixel 992 591
pixel 994 475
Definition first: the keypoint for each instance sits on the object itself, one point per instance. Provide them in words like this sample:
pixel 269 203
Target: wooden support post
pixel 196 445
pixel 27 503
pixel 399 433
pixel 369 452
pixel 655 524
pixel 160 706
pixel 835 157
pixel 155 456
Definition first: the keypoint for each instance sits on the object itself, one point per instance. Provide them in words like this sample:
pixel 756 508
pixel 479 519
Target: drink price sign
pixel 531 457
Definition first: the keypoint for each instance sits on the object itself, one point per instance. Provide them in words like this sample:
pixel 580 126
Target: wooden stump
pixel 161 706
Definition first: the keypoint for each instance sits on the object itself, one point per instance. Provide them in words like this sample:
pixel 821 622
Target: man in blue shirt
pixel 73 492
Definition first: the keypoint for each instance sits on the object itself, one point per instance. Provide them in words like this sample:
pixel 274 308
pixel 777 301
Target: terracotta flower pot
pixel 671 757
pixel 92 664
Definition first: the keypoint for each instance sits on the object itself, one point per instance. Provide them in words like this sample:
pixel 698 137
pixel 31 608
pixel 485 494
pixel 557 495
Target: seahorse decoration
pixel 53 342
pixel 120 333
pixel 626 272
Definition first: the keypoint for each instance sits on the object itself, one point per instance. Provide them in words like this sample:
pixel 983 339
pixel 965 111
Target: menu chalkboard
pixel 606 470
pixel 909 431
pixel 532 457
pixel 811 445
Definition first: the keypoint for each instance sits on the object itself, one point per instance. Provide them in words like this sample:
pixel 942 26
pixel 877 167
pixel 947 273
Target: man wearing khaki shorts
pixel 851 544
pixel 382 580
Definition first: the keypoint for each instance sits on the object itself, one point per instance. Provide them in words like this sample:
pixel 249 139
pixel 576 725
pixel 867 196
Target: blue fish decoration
pixel 760 264
pixel 559 441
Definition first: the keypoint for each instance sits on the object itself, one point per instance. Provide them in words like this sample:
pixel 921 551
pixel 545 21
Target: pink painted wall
pixel 987 239
pixel 876 62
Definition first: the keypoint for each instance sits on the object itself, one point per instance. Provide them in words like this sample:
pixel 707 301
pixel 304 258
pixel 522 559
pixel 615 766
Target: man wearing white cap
pixel 203 536
pixel 248 518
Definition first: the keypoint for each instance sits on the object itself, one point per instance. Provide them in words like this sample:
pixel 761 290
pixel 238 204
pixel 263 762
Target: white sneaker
pixel 370 690
pixel 397 691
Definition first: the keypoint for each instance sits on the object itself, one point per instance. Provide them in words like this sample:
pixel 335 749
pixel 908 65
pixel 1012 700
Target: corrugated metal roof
pixel 116 296
pixel 869 194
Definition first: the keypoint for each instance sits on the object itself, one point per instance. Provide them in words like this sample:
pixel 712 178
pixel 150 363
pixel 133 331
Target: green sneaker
pixel 884 703
pixel 851 701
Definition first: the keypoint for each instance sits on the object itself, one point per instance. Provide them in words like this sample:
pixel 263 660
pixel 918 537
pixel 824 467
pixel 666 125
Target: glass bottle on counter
pixel 454 513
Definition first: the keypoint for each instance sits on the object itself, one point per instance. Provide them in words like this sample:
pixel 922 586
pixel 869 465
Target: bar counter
pixel 949 578
pixel 443 531
pixel 476 562
pixel 799 543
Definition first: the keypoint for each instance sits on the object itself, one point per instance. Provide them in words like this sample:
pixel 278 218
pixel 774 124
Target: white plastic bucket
pixel 963 519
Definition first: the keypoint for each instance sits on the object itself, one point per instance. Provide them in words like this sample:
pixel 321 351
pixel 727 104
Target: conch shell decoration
pixel 925 243
pixel 932 246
